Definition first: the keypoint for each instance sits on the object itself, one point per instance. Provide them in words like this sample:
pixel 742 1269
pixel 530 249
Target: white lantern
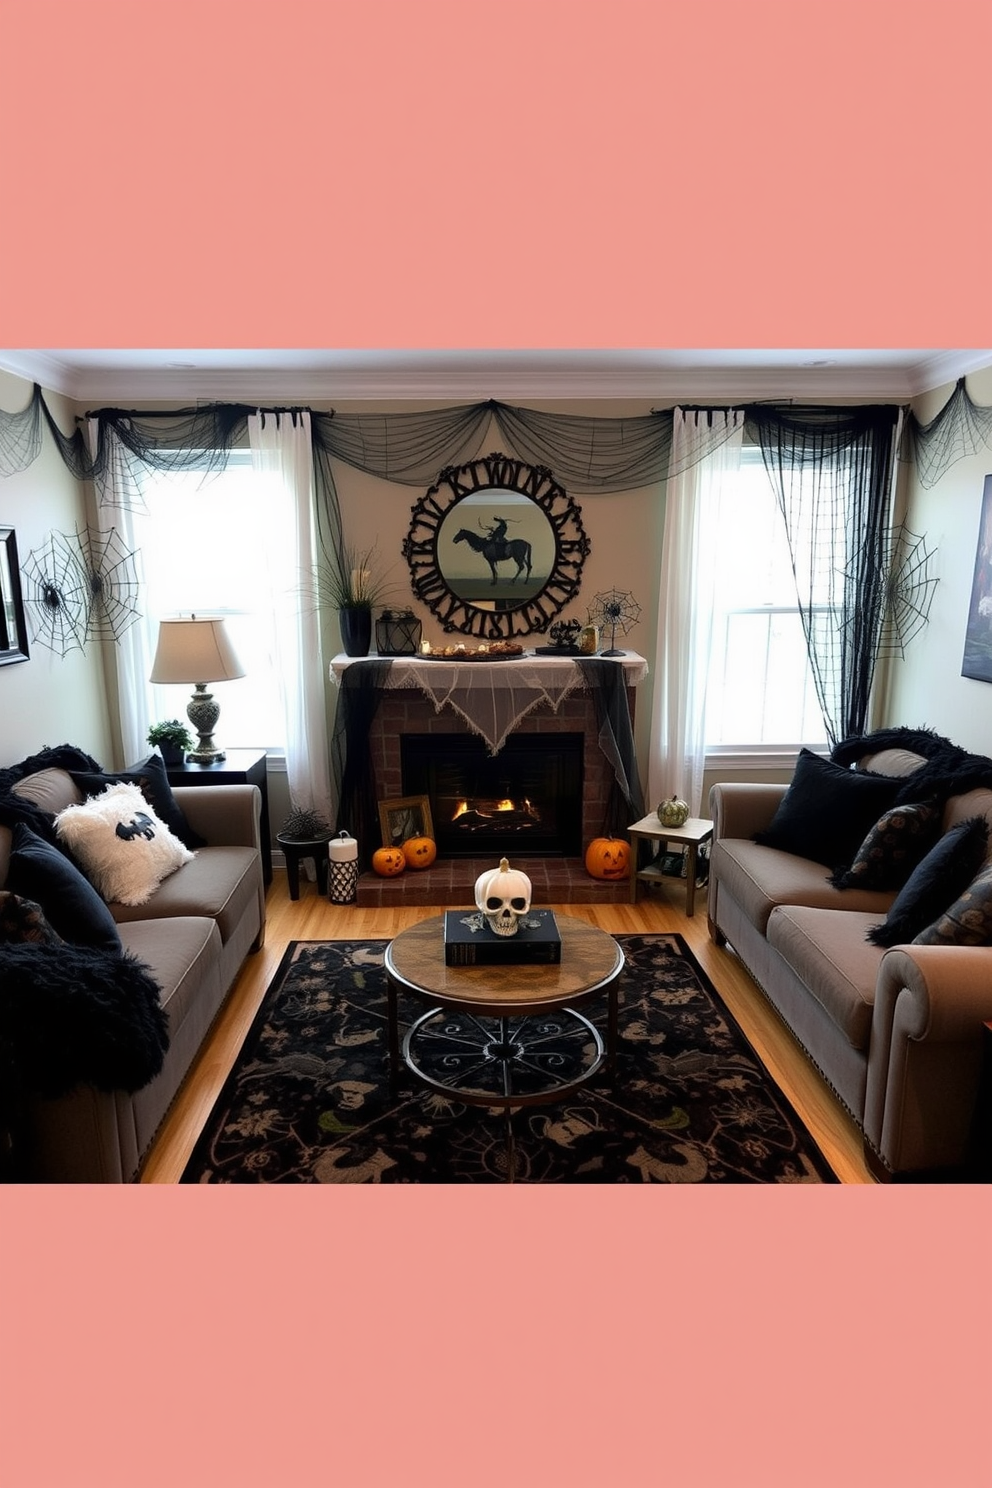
pixel 342 853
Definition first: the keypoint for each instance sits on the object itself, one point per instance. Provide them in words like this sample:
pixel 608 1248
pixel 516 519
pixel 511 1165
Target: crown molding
pixel 655 377
pixel 947 366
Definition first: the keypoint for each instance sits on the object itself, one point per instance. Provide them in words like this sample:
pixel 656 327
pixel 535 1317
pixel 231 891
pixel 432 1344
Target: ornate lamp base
pixel 203 712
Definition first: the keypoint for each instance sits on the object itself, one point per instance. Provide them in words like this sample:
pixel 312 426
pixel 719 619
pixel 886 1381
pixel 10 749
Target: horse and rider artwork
pixel 496 549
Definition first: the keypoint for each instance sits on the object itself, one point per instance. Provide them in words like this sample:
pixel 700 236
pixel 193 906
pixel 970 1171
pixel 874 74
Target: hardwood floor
pixel 313 917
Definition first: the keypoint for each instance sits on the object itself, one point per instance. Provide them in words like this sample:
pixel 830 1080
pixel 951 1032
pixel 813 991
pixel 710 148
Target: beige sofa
pixel 193 935
pixel 895 1031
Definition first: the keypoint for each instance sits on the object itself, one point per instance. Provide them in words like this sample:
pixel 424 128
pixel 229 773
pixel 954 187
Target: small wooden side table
pixel 693 833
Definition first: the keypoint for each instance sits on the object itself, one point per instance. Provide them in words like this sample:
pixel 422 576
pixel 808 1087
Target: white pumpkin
pixel 503 895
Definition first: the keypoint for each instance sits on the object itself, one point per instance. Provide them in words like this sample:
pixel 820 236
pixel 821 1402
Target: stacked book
pixel 468 940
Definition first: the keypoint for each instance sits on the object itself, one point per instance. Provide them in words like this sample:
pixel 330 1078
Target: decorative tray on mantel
pixel 498 651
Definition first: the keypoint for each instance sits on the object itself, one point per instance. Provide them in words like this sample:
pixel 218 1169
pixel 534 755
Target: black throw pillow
pixel 828 810
pixel 151 779
pixel 71 904
pixel 73 1015
pixel 935 884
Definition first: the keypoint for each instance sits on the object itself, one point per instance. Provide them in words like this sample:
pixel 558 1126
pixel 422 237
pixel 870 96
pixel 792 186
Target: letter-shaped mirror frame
pixel 533 566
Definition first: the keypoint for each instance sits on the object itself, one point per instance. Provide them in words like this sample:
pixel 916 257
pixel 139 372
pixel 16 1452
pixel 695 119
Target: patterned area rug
pixel 308 1100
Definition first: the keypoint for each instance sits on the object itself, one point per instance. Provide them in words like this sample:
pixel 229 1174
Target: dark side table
pixel 294 851
pixel 241 767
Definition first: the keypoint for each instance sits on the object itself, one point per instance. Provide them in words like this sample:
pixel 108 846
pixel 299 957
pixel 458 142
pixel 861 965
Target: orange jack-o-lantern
pixel 419 852
pixel 608 857
pixel 388 861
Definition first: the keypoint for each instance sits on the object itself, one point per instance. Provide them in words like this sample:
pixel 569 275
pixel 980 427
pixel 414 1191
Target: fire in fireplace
pixel 526 799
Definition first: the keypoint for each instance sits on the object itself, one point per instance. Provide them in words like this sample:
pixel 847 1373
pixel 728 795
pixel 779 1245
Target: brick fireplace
pixel 556 877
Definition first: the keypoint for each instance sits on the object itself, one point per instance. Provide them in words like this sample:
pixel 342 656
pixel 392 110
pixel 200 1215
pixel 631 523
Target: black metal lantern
pixel 397 633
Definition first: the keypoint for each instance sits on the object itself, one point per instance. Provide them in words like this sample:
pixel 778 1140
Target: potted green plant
pixel 172 739
pixel 352 588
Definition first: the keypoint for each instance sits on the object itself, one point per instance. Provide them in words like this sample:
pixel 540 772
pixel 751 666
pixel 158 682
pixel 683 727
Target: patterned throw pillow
pixel 124 848
pixel 968 921
pixel 22 920
pixel 935 884
pixel 897 842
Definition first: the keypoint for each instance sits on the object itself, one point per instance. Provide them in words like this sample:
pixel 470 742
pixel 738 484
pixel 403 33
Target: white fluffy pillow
pixel 124 849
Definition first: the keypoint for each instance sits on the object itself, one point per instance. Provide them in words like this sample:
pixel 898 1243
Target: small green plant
pixel 171 732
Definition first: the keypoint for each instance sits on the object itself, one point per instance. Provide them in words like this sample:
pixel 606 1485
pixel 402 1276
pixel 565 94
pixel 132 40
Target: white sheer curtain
pixel 685 607
pixel 128 661
pixel 281 447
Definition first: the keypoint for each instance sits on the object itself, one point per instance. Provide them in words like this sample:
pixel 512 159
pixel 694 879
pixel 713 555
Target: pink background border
pixel 532 174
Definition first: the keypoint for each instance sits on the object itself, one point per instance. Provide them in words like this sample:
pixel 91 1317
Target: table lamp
pixel 187 651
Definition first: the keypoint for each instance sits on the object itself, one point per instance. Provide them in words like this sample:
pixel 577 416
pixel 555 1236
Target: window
pixel 217 546
pixel 759 693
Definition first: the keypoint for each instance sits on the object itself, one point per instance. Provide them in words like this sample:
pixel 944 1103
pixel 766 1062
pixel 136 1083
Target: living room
pixel 62 694
pixel 391 175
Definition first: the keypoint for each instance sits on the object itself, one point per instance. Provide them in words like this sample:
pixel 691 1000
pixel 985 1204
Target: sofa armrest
pixel 925 1056
pixel 226 815
pixel 739 808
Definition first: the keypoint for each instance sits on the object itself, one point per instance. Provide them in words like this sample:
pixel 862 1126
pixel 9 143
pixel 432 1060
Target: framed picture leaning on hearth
pixel 403 817
pixel 977 659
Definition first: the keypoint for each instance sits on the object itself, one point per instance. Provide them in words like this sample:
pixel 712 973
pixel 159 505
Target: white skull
pixel 503 896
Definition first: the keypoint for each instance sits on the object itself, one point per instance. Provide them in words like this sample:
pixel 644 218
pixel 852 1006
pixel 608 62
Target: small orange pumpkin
pixel 608 857
pixel 419 852
pixel 388 861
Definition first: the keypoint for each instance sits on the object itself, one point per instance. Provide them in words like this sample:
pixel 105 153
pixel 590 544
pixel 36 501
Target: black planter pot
pixel 356 631
pixel 172 754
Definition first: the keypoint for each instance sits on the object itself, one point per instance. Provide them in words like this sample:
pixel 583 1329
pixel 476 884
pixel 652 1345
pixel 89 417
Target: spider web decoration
pixel 81 586
pixel 614 610
pixel 57 597
pixel 910 590
pixel 112 584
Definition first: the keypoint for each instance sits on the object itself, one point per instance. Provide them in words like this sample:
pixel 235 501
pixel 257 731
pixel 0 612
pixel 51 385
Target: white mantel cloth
pixel 492 697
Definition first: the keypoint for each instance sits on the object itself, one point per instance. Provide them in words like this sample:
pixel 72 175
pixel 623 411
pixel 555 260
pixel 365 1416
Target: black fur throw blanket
pixel 948 771
pixel 14 808
pixel 72 1015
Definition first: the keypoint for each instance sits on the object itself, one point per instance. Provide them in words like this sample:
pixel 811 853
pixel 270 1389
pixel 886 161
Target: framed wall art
pixel 13 630
pixel 977 659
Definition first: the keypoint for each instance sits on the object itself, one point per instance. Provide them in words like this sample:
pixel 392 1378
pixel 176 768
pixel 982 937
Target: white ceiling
pixel 272 376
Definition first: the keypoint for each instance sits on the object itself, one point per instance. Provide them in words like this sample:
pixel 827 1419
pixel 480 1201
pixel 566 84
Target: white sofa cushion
pixel 123 847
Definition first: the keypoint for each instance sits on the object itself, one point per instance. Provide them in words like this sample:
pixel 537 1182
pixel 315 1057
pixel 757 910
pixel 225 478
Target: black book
pixel 468 940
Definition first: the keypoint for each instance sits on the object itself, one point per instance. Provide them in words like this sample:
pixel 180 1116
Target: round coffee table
pixel 502 1035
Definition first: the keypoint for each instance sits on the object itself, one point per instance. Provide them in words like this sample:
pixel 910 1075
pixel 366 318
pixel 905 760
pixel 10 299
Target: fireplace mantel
pixel 491 697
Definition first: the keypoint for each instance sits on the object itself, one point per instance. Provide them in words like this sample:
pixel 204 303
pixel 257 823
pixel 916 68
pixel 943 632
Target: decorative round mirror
pixel 496 548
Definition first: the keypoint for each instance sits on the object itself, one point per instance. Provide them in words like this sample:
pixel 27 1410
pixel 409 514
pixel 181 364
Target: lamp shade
pixel 194 651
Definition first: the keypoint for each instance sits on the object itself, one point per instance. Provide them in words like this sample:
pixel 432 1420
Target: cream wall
pixel 48 699
pixel 926 687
